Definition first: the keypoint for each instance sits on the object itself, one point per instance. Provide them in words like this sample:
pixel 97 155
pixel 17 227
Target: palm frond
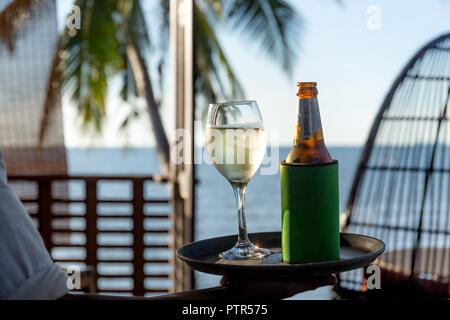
pixel 136 26
pixel 11 16
pixel 128 89
pixel 213 9
pixel 164 35
pixel 213 64
pixel 91 56
pixel 274 23
pixel 133 30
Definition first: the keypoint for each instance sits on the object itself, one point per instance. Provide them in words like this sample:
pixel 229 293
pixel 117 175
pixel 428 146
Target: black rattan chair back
pixel 401 188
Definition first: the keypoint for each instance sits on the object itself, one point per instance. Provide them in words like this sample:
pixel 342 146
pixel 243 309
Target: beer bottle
pixel 309 146
pixel 309 181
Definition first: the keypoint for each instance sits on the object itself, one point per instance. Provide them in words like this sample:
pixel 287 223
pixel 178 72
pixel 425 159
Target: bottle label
pixel 309 117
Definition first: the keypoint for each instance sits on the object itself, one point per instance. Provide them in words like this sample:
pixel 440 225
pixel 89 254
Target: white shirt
pixel 26 269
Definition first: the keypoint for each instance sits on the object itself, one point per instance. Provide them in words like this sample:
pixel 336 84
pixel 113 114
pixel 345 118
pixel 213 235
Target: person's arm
pixel 236 290
pixel 26 268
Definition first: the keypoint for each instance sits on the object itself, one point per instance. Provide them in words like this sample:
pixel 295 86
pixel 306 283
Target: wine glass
pixel 236 143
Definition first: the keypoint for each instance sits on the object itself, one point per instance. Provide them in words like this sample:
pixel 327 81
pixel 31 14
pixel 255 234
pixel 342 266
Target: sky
pixel 352 49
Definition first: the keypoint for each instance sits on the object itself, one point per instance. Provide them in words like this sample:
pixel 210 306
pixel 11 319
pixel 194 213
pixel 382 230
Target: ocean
pixel 215 206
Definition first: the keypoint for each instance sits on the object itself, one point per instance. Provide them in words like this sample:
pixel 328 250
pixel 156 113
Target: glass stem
pixel 239 194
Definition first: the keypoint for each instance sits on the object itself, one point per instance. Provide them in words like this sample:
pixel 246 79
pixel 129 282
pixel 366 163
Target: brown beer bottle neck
pixel 309 146
pixel 307 90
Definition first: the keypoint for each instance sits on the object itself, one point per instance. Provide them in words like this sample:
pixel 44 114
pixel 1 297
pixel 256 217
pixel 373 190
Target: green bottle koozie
pixel 310 212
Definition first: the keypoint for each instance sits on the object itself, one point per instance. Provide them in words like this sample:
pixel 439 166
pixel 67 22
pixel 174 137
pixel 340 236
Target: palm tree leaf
pixel 90 57
pixel 128 89
pixel 213 9
pixel 274 23
pixel 163 44
pixel 133 30
pixel 212 63
pixel 11 16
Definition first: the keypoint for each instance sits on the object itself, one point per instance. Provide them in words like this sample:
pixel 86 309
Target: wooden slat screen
pixel 126 240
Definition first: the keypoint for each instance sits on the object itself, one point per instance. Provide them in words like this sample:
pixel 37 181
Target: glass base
pixel 245 251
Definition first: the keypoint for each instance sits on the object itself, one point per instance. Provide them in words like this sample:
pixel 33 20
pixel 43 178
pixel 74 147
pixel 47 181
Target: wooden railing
pixel 129 249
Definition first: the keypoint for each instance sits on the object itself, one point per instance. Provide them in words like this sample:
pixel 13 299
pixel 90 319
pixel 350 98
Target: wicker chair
pixel 401 188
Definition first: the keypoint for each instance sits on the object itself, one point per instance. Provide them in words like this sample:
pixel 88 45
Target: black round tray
pixel 356 251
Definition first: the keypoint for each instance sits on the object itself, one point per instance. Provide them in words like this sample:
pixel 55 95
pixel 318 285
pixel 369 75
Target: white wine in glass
pixel 239 153
pixel 236 143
